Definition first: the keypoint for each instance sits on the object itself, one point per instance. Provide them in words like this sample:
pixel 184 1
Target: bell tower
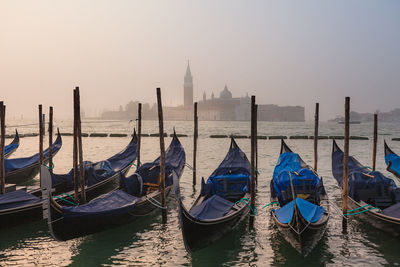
pixel 188 89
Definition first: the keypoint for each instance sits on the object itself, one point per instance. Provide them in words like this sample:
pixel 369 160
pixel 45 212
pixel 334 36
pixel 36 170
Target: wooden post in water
pixel 252 148
pixel 256 144
pixel 162 157
pixel 75 153
pixel 40 139
pixel 195 135
pixel 139 140
pixel 79 141
pixel 346 155
pixel 316 124
pixel 2 142
pixel 375 141
pixel 40 135
pixel 51 138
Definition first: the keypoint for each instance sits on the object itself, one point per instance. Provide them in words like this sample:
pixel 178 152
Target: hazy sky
pixel 284 52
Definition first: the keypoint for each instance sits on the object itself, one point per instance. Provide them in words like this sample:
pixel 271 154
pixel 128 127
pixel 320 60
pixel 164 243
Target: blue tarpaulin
pixel 395 162
pixel 310 212
pixel 9 148
pixel 359 177
pixel 17 199
pixel 175 159
pixel 287 161
pixel 99 171
pixel 19 163
pixel 111 204
pixel 212 208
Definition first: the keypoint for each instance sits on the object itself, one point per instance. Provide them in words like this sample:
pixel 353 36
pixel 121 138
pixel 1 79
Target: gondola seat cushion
pixel 212 208
pixel 310 212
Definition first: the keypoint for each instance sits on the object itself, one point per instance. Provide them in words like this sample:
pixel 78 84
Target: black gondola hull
pixel 390 225
pixel 64 229
pixel 302 236
pixel 34 212
pixel 199 234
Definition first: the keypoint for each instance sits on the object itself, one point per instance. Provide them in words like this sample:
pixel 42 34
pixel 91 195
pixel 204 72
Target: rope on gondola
pixel 272 203
pixel 133 164
pixel 356 213
pixel 155 203
pixel 190 167
pixel 247 202
pixel 49 167
pixel 63 199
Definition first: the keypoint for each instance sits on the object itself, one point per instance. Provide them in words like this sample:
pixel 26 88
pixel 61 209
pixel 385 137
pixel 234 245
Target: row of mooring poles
pixel 2 143
pixel 79 176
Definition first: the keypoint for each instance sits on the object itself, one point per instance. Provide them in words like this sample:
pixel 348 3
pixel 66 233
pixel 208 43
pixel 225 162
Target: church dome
pixel 225 93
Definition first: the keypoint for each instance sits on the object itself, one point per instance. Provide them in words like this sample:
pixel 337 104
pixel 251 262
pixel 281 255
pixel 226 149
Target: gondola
pixel 219 208
pixel 304 206
pixel 137 196
pixel 20 207
pixel 21 170
pixel 392 161
pixel 372 196
pixel 10 148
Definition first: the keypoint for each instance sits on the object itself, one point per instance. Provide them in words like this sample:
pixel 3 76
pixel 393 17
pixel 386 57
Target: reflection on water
pixel 148 242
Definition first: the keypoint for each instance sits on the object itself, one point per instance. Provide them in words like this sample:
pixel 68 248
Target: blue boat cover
pixel 175 159
pixel 111 204
pixel 393 211
pixel 337 166
pixel 310 212
pixel 212 208
pixel 19 163
pixel 9 148
pixel 304 177
pixel 99 171
pixel 287 161
pixel 16 199
pixel 232 175
pixel 358 178
pixel 395 162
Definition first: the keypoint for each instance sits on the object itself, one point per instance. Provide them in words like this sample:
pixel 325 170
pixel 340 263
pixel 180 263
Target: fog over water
pixel 286 53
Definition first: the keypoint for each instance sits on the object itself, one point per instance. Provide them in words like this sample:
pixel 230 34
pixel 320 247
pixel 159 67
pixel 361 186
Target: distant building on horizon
pixel 224 108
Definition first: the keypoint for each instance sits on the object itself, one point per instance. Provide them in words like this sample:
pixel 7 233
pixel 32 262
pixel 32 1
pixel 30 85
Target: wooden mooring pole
pixel 51 138
pixel 75 154
pixel 375 141
pixel 2 141
pixel 316 124
pixel 139 134
pixel 252 149
pixel 162 157
pixel 79 144
pixel 346 158
pixel 195 135
pixel 41 119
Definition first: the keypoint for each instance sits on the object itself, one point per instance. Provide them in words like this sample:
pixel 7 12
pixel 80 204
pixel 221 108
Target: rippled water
pixel 148 242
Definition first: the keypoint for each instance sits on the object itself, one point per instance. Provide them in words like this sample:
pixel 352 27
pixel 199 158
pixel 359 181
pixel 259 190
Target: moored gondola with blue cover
pixel 137 196
pixel 10 148
pixel 304 206
pixel 218 208
pixel 20 170
pixel 20 207
pixel 372 196
pixel 392 161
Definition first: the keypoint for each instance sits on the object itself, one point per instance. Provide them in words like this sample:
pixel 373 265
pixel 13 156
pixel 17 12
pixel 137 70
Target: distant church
pixel 224 108
pixel 228 108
